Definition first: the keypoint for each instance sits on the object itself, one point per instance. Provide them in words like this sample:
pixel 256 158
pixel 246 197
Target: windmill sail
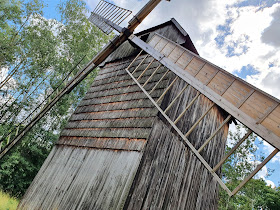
pixel 105 11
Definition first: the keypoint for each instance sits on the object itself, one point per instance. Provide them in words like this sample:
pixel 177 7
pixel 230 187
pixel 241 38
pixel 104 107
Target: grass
pixel 7 202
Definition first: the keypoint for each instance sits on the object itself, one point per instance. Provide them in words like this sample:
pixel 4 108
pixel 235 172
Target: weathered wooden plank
pixel 155 41
pixel 257 105
pixel 115 114
pixel 161 44
pixel 119 78
pixel 124 83
pixel 194 66
pixel 108 132
pixel 122 105
pixel 123 89
pixel 176 54
pixel 119 97
pixel 112 123
pixel 104 143
pixel 220 83
pixel 236 92
pixel 272 121
pixel 168 49
pixel 71 179
pixel 206 74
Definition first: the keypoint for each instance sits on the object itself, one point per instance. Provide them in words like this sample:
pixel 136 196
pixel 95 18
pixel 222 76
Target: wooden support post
pixel 216 131
pixel 232 150
pixel 146 69
pixel 171 84
pixel 198 121
pixel 259 167
pixel 188 106
pixel 169 106
pixel 155 71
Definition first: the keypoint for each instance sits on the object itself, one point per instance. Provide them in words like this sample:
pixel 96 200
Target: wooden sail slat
pixel 232 98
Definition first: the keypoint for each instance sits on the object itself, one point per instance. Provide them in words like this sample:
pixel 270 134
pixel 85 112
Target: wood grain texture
pixel 71 176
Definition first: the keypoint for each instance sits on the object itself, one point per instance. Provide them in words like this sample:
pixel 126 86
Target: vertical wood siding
pixel 118 152
pixel 170 176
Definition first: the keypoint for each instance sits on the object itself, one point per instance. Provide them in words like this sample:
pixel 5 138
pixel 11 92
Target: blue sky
pixel 238 35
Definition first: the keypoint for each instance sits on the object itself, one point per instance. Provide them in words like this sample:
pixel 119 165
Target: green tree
pixel 43 52
pixel 255 194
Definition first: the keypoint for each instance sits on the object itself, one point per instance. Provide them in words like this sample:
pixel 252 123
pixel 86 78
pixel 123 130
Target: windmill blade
pixel 99 58
pixel 253 108
pixel 107 14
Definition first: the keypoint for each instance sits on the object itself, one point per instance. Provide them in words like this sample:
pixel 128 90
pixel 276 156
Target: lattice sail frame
pixel 106 11
pixel 178 61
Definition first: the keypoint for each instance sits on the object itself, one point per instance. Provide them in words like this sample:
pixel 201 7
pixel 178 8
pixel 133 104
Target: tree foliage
pixel 39 53
pixel 255 194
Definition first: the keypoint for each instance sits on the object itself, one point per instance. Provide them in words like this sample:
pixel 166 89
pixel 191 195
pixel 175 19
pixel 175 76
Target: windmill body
pixel 117 151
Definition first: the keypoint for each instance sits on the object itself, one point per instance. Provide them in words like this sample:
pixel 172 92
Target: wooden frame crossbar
pixel 174 100
pixel 185 141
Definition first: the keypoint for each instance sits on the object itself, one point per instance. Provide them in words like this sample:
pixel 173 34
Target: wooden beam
pixel 179 94
pixel 166 90
pixel 155 71
pixel 148 66
pixel 215 132
pixel 259 167
pixel 232 150
pixel 198 121
pixel 187 107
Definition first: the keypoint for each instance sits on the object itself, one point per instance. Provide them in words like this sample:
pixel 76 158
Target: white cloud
pixel 269 149
pixel 262 174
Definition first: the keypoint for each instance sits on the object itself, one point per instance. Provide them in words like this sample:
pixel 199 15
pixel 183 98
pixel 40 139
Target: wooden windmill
pixel 152 129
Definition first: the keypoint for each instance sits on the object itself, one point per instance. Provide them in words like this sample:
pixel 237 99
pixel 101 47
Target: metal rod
pixel 176 98
pixel 216 131
pixel 198 121
pixel 259 167
pixel 155 71
pixel 146 69
pixel 188 106
pixel 159 81
pixel 232 150
pixel 166 90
